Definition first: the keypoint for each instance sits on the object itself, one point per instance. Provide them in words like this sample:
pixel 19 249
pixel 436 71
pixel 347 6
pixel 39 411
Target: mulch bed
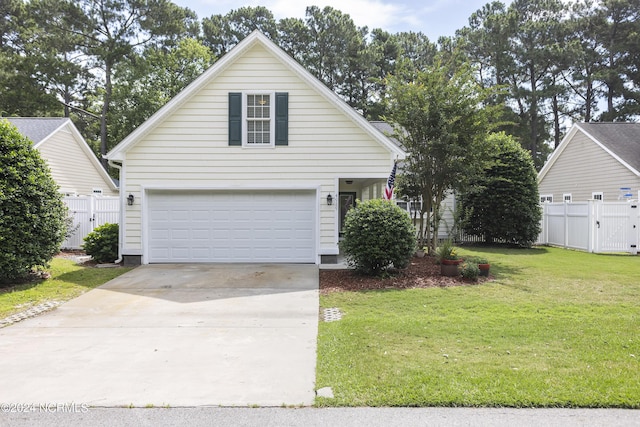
pixel 421 273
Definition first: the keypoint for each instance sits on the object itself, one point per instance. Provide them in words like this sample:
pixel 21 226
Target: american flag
pixel 388 190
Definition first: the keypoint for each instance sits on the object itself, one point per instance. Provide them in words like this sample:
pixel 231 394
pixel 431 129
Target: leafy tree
pixel 294 38
pixel 502 203
pixel 223 32
pixel 438 118
pixel 109 31
pixel 332 33
pixel 32 215
pixel 378 235
pixel 22 93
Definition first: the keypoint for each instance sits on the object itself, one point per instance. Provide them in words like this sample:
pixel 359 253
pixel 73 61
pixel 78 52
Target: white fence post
pixel 634 216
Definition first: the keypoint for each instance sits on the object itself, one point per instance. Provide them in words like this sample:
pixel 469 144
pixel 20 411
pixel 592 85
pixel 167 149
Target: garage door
pixel 233 226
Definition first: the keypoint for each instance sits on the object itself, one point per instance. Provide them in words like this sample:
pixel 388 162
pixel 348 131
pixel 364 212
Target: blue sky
pixel 434 18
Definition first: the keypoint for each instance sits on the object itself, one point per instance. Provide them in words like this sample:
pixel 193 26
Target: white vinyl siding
pixel 190 148
pixel 585 167
pixel 71 167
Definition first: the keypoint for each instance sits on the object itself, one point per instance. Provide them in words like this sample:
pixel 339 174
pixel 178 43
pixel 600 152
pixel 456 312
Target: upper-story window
pixel 258 119
pixel 567 197
pixel 546 198
pixel 597 195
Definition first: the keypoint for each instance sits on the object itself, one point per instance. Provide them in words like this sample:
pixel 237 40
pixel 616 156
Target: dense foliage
pixel 502 204
pixel 32 215
pixel 556 61
pixel 378 235
pixel 102 243
pixel 439 120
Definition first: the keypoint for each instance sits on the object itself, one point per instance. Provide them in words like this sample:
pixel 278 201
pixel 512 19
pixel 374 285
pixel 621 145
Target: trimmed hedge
pixel 32 214
pixel 378 235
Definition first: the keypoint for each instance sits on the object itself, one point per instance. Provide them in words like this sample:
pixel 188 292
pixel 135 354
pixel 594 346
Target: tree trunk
pixel 105 111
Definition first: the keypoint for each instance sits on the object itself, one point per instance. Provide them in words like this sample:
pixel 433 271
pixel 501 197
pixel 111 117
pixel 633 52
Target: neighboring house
pixel 74 166
pixel 255 161
pixel 598 161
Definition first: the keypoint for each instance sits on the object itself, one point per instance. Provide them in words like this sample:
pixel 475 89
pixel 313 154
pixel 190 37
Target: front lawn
pixel 556 328
pixel 67 281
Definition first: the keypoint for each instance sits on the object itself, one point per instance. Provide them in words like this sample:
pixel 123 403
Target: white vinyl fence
pixel 592 226
pixel 89 212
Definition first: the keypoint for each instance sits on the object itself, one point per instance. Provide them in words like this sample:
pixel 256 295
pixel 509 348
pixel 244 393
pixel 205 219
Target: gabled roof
pixel 37 129
pixel 40 129
pixel 620 140
pixel 117 153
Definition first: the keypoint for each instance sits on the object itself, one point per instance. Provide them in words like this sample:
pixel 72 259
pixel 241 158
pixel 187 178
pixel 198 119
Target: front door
pixel 347 200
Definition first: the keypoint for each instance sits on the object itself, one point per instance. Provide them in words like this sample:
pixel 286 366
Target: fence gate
pixel 592 226
pixel 89 212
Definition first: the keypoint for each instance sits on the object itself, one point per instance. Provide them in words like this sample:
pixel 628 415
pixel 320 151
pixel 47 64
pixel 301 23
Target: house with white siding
pixel 594 161
pixel 255 161
pixel 73 165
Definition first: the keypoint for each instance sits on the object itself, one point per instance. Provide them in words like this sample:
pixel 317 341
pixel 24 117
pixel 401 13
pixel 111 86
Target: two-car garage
pixel 185 226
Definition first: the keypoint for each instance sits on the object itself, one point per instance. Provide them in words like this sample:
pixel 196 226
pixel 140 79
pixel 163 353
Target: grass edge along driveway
pixel 557 328
pixel 68 280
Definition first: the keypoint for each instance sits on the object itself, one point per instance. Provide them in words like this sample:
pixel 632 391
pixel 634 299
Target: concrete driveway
pixel 177 335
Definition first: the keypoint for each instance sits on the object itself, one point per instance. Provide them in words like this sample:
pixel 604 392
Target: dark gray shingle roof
pixel 36 128
pixel 387 130
pixel 623 139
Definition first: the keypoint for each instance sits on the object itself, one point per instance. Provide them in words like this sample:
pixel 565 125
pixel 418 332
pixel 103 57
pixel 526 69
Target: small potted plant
pixel 448 259
pixel 484 266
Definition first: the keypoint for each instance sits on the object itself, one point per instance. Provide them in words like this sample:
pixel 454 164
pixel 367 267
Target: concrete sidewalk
pixel 176 335
pixel 311 417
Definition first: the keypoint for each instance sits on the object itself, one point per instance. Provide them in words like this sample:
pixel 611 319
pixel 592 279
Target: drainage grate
pixel 331 314
pixel 32 312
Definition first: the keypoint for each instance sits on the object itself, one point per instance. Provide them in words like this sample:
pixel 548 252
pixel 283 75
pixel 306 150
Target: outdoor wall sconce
pixel 130 199
pixel 329 199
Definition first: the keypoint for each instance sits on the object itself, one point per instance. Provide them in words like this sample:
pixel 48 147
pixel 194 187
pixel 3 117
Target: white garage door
pixel 231 226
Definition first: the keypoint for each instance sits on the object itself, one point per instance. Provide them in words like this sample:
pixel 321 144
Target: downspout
pixel 122 205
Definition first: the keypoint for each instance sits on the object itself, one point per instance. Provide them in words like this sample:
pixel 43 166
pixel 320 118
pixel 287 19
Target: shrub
pixel 470 270
pixel 502 203
pixel 377 235
pixel 102 243
pixel 32 214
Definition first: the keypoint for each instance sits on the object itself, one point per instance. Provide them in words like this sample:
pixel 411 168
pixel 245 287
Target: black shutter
pixel 282 118
pixel 235 118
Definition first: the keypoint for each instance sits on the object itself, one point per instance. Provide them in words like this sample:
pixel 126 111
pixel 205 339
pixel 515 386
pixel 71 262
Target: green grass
pixel 557 328
pixel 68 280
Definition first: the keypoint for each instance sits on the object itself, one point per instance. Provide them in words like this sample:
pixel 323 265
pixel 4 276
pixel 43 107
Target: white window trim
pixel 566 197
pixel 546 198
pixel 597 193
pixel 272 119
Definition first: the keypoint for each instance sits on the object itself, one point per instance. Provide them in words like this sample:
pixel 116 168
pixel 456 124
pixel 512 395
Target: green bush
pixel 502 203
pixel 470 270
pixel 32 214
pixel 377 235
pixel 102 243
